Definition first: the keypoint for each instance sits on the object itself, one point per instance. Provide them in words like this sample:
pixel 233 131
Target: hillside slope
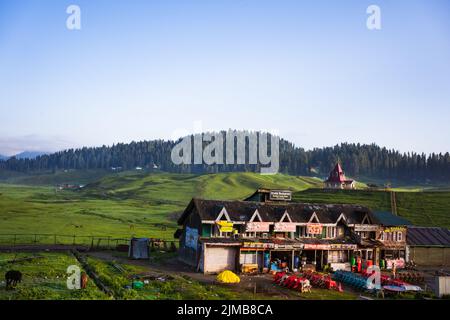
pixel 124 204
pixel 180 188
pixel 421 208
pixel 147 205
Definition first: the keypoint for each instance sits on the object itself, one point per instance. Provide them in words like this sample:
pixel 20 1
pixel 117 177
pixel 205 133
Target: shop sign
pixel 257 227
pixel 258 245
pixel 225 226
pixel 284 227
pixel 191 238
pixel 280 195
pixel 316 246
pixel 395 229
pixel 314 228
pixel 366 227
pixel 342 246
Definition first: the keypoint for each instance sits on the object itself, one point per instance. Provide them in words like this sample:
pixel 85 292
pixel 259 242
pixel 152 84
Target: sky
pixel 309 70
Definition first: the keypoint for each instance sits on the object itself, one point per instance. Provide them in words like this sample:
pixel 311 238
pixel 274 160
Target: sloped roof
pixel 428 236
pixel 271 212
pixel 337 175
pixel 388 219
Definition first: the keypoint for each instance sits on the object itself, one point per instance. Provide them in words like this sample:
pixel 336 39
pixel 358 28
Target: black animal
pixel 12 278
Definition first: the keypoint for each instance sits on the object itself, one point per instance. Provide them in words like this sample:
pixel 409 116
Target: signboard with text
pixel 225 226
pixel 366 227
pixel 280 195
pixel 257 227
pixel 317 247
pixel 284 227
pixel 314 228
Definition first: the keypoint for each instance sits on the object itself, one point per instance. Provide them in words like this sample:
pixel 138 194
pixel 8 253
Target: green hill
pixel 421 208
pixel 124 204
pixel 143 204
pixel 180 188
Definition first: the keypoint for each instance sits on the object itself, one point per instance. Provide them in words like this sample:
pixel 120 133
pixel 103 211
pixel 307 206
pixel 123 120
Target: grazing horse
pixel 12 278
pixel 83 280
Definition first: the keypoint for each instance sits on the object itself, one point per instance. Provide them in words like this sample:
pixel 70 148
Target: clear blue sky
pixel 146 69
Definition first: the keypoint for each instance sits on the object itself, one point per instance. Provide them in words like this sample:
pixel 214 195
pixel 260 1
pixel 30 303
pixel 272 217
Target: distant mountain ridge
pixel 30 154
pixel 25 155
pixel 367 160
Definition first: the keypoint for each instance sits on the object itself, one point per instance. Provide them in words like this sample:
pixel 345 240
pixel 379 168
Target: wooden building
pixel 428 246
pixel 337 179
pixel 392 236
pixel 229 235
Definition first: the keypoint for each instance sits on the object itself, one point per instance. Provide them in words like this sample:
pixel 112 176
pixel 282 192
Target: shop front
pixel 339 256
pixel 265 256
pixel 335 256
pixel 392 255
pixel 254 256
pixel 314 256
pixel 393 250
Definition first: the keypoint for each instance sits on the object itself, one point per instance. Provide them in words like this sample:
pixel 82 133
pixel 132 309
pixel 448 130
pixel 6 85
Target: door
pixel 218 259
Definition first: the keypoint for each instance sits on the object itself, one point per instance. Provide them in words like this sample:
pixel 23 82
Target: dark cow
pixel 12 278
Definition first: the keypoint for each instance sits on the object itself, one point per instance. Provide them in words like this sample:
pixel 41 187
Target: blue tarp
pixel 138 248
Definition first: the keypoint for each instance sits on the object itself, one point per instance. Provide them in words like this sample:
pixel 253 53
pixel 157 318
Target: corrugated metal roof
pixel 428 236
pixel 386 218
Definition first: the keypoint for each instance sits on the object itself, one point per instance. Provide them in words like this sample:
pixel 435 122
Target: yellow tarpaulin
pixel 228 277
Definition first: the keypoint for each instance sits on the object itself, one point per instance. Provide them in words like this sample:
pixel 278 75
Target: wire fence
pixel 106 242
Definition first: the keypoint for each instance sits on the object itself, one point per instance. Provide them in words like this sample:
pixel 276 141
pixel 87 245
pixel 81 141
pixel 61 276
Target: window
pixel 399 236
pixel 363 234
pixel 331 232
pixel 302 232
pixel 206 230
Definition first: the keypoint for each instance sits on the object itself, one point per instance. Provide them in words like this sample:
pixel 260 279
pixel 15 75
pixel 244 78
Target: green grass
pixel 421 208
pixel 137 203
pixel 44 277
pixel 124 204
pixel 173 287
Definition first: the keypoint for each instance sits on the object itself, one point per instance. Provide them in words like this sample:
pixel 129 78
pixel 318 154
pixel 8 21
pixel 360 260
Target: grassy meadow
pixel 44 277
pixel 123 204
pixel 147 204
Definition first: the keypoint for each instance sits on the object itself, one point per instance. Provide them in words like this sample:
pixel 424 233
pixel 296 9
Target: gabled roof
pixel 337 175
pixel 428 236
pixel 242 211
pixel 388 219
